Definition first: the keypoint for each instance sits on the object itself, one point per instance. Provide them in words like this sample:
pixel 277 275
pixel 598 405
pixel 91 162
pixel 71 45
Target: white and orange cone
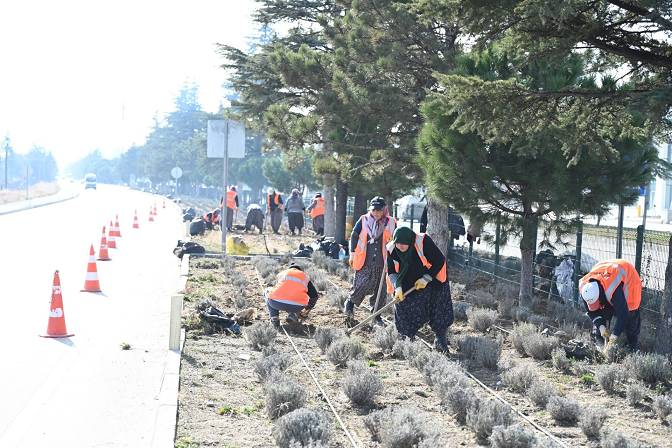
pixel 103 255
pixel 111 242
pixel 155 214
pixel 151 214
pixel 56 325
pixel 164 202
pixel 117 232
pixel 135 221
pixel 91 284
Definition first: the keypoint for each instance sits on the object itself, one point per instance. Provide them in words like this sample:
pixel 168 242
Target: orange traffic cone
pixel 135 221
pixel 91 284
pixel 151 215
pixel 111 242
pixel 155 209
pixel 164 202
pixel 116 226
pixel 103 256
pixel 56 326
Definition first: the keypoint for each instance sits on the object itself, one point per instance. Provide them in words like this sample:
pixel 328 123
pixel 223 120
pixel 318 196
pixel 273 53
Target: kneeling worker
pixel 294 292
pixel 613 288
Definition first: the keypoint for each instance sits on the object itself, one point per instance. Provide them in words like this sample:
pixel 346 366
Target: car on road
pixel 410 205
pixel 90 181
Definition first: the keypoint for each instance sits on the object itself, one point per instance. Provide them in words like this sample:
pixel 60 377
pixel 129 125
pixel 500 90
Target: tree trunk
pixel 329 214
pixel 437 224
pixel 360 206
pixel 341 210
pixel 663 341
pixel 527 243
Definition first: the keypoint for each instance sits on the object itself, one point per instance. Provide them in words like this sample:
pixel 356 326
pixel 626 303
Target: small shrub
pixel 540 346
pixel 520 377
pixel 403 427
pixel 269 350
pixel 241 302
pixel 265 367
pixel 407 349
pixel 260 335
pixel 581 368
pixel 385 337
pixel 337 297
pixel 460 311
pixel 613 439
pixel 650 368
pixel 519 334
pixel 440 370
pixel 563 409
pixel 483 298
pixel 591 421
pixel 663 406
pixel 520 313
pixel 608 376
pixel 343 350
pixel 303 426
pixel 324 336
pixel 459 398
pixel 481 319
pixel 514 436
pixel 361 383
pixel 283 395
pixel 488 415
pixel 559 358
pixel 635 392
pixel 540 391
pixel 505 364
pixel 484 352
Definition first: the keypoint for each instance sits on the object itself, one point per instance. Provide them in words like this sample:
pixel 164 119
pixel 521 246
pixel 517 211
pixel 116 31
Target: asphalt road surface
pixel 85 391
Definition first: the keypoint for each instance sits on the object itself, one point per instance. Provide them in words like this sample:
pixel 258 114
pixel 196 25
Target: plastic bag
pixel 235 245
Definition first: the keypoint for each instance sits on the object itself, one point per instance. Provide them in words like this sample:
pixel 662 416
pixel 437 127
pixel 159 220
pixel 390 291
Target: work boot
pixel 276 322
pixel 276 232
pixel 292 317
pixel 378 321
pixel 349 308
pixel 440 343
pixel 299 231
pixel 292 233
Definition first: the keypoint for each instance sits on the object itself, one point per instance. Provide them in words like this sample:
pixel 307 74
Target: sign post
pixel 225 139
pixel 28 172
pixel 176 173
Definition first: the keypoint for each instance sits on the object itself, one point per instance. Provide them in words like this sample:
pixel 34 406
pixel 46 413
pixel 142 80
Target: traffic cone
pixel 135 221
pixel 116 226
pixel 91 284
pixel 103 255
pixel 164 202
pixel 56 326
pixel 155 214
pixel 111 242
pixel 151 215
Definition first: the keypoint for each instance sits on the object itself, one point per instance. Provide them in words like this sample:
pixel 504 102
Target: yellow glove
pixel 612 339
pixel 398 295
pixel 236 208
pixel 604 332
pixel 421 283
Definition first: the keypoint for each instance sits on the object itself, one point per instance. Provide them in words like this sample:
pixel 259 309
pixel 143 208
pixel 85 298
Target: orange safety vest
pixel 319 208
pixel 610 274
pixel 360 251
pixel 231 199
pixel 291 288
pixel 420 249
pixel 276 199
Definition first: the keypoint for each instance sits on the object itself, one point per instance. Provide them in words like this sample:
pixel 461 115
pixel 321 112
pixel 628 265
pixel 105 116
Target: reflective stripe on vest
pixel 292 287
pixel 319 208
pixel 360 251
pixel 610 274
pixel 419 248
pixel 231 199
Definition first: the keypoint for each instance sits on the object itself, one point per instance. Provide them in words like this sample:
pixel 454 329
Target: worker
pixel 274 209
pixel 255 217
pixel 316 210
pixel 294 292
pixel 231 204
pixel 368 239
pixel 212 218
pixel 414 260
pixel 613 288
pixel 294 209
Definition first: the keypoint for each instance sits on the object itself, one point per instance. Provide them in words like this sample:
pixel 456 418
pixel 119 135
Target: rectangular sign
pixel 217 137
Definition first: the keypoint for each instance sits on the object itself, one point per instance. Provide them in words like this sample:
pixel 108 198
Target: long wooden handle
pixel 372 316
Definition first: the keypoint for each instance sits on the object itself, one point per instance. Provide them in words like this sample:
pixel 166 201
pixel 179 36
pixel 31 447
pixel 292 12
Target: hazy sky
pixel 82 75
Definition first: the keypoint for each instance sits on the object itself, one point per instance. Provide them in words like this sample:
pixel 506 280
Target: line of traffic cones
pixel 111 240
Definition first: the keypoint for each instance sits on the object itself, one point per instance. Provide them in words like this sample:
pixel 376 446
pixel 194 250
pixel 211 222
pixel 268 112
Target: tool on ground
pixel 373 315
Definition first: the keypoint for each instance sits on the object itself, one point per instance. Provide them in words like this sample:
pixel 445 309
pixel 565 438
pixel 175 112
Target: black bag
pixel 188 247
pixel 197 227
pixel 303 251
pixel 221 320
pixel 576 349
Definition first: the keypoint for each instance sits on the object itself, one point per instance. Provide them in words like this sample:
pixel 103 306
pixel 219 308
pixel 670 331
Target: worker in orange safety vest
pixel 231 204
pixel 316 210
pixel 294 292
pixel 274 208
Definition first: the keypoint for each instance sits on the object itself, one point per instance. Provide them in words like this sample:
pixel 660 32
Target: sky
pixel 80 75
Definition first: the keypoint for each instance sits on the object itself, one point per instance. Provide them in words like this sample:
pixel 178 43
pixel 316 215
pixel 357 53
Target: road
pixel 85 391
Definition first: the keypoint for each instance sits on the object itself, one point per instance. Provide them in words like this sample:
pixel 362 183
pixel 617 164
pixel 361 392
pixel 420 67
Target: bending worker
pixel 316 210
pixel 274 207
pixel 212 218
pixel 231 204
pixel 414 260
pixel 294 292
pixel 369 237
pixel 613 289
pixel 255 217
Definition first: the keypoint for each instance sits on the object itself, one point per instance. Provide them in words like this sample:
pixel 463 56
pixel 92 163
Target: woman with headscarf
pixel 369 237
pixel 294 209
pixel 414 260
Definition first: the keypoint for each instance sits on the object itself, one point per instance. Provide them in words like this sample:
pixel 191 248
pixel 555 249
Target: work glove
pixel 304 314
pixel 236 209
pixel 612 339
pixel 604 332
pixel 305 212
pixel 422 283
pixel 398 295
pixel 352 259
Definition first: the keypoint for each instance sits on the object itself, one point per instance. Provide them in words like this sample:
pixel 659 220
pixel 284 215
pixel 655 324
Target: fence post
pixel 412 209
pixel 577 262
pixel 639 248
pixel 497 233
pixel 619 232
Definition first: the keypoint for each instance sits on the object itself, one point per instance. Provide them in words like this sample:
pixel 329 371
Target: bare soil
pixel 222 402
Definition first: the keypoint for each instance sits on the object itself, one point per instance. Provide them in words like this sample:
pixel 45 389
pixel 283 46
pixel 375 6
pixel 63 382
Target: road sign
pixel 217 139
pixel 176 172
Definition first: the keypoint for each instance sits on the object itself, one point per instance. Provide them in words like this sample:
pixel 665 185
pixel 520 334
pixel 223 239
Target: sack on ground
pixel 197 227
pixel 222 321
pixel 235 245
pixel 188 247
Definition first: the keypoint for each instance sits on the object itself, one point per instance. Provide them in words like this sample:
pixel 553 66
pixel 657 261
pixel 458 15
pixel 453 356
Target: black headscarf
pixel 403 235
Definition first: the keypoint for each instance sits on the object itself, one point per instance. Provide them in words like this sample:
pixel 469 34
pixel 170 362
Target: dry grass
pixel 36 191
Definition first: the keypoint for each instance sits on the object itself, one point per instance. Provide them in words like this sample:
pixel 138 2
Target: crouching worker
pixel 294 292
pixel 613 289
pixel 414 260
pixel 255 217
pixel 212 219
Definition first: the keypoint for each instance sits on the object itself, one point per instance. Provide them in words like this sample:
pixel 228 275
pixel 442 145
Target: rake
pixel 372 316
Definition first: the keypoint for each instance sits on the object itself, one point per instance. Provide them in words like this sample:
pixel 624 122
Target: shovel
pixel 372 316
